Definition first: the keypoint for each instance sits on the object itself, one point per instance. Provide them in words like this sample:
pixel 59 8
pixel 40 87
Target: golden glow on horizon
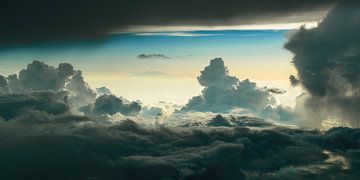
pixel 278 26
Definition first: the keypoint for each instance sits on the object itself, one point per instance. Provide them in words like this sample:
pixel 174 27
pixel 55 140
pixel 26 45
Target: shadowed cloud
pixel 27 22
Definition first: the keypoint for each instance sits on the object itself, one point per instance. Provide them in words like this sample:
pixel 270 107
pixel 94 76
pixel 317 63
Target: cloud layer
pixel 44 21
pixel 70 147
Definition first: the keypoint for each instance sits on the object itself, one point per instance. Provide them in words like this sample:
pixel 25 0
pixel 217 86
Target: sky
pixel 180 89
pixel 116 64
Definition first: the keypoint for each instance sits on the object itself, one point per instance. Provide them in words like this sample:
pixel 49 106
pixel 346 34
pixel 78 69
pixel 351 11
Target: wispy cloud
pixel 150 74
pixel 153 56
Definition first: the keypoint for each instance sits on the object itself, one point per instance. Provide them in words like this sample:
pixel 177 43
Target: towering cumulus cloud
pixel 327 61
pixel 217 75
pixel 223 92
pixel 80 92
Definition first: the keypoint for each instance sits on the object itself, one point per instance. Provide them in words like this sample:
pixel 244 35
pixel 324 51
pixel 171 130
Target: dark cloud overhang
pixel 25 22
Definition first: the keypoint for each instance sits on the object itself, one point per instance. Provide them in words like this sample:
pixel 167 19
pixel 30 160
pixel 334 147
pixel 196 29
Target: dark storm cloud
pixel 327 61
pixel 153 56
pixel 41 21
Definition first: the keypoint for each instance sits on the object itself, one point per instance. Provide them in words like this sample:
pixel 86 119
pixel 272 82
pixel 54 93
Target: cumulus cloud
pixel 223 92
pixel 40 76
pixel 80 93
pixel 153 56
pixel 217 75
pixel 326 59
pixel 110 104
pixel 39 86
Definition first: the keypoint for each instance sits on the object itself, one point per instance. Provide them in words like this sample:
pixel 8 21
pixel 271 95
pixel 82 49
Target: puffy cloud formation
pixel 217 75
pixel 327 61
pixel 39 86
pixel 80 148
pixel 80 92
pixel 48 90
pixel 40 76
pixel 223 92
pixel 110 104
